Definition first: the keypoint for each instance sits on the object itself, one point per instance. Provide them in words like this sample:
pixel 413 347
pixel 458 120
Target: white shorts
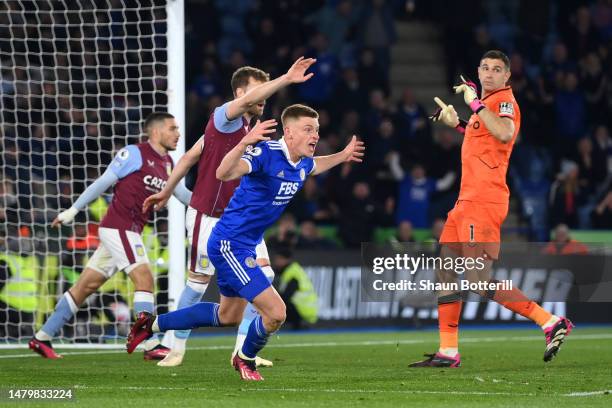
pixel 118 250
pixel 200 225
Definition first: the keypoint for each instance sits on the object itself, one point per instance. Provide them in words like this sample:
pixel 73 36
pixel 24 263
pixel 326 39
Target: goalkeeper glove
pixel 470 94
pixel 447 115
pixel 66 217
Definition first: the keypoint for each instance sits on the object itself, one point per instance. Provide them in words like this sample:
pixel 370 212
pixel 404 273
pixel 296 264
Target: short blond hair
pixel 298 111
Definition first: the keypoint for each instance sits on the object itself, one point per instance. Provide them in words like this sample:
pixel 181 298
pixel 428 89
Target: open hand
pixel 259 132
pixel 297 73
pixel 354 150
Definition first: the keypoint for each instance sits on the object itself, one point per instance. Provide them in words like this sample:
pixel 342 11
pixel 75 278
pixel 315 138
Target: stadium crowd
pixel 560 57
pixel 560 60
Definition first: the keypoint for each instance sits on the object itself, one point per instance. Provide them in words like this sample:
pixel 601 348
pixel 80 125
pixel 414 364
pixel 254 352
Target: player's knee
pixel 277 316
pixel 199 277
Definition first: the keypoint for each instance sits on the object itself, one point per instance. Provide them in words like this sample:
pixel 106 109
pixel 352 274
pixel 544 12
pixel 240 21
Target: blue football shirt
pixel 263 193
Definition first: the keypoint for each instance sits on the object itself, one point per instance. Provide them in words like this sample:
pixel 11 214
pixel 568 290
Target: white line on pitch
pixel 588 393
pixel 601 336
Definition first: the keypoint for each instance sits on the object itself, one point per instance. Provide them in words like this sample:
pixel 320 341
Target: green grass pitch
pixel 500 368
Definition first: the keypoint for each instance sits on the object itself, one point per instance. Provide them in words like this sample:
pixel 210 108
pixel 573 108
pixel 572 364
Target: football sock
pixel 551 322
pixel 64 310
pixel 516 301
pixel 256 339
pixel 144 302
pixel 192 294
pixel 449 312
pixel 203 314
pixel 250 313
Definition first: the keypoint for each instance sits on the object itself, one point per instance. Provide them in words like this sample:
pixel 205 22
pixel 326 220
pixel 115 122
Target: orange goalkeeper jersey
pixel 484 159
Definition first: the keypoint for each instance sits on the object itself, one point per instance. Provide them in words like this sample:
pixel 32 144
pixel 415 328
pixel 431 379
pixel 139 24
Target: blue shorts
pixel 238 274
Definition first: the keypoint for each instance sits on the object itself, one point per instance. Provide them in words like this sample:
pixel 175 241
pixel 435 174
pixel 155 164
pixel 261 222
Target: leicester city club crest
pixel 302 174
pixel 250 262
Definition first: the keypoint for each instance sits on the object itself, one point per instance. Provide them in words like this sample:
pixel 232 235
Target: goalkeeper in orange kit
pixel 473 225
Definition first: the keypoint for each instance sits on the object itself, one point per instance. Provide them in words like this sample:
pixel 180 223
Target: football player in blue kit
pixel 272 173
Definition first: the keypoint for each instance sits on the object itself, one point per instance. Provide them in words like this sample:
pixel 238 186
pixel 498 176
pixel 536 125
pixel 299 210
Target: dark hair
pixel 497 54
pixel 240 77
pixel 297 111
pixel 154 118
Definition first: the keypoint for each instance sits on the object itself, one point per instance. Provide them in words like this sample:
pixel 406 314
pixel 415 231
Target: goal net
pixel 77 78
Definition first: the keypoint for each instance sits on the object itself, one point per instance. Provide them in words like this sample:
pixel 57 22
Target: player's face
pixel 493 74
pixel 169 134
pixel 302 136
pixel 257 109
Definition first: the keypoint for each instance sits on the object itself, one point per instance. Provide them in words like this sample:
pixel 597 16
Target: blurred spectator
pixel 445 165
pixel 563 244
pixel 335 21
pixel 18 289
pixel 594 82
pixel 295 288
pixel 378 31
pixel 592 168
pixel 602 214
pixel 360 216
pixel 319 88
pixel 206 84
pixel 286 232
pixel 582 37
pixel 310 238
pixel 372 75
pixel 403 233
pixel 560 63
pixel 377 111
pixel 233 28
pixel 603 147
pixel 8 201
pixel 308 203
pixel 415 191
pixel 349 93
pixel 413 128
pixel 570 108
pixel 380 144
pixel 566 195
pixel 436 230
pixel 601 13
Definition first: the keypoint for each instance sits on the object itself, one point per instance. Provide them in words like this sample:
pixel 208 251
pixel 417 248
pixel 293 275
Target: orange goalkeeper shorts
pixel 474 223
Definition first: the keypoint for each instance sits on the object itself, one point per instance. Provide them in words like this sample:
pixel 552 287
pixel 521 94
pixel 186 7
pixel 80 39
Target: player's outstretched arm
pixel 106 180
pixel 232 167
pixel 159 200
pixel 501 128
pixel 295 75
pixel 353 152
